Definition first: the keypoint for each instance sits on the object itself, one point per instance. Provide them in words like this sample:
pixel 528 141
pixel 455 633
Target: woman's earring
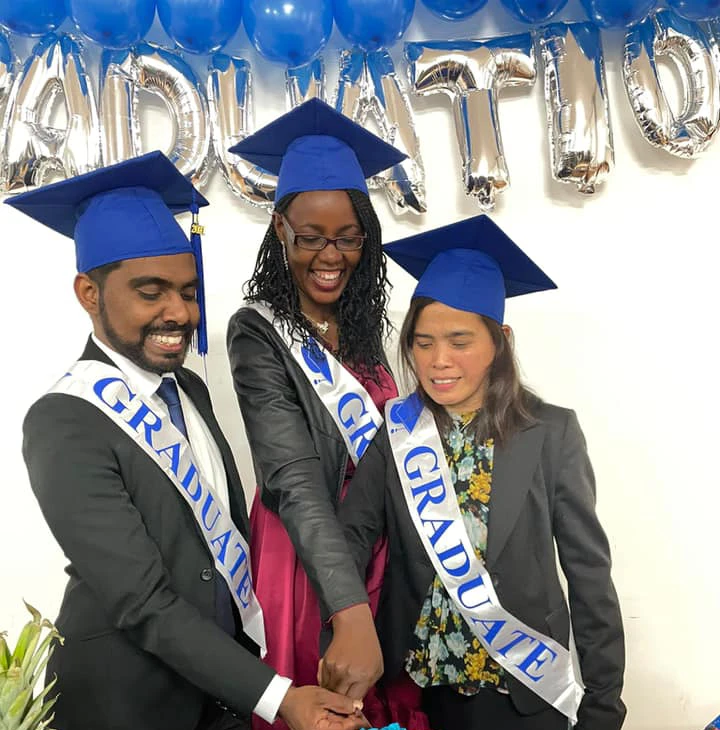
pixel 284 255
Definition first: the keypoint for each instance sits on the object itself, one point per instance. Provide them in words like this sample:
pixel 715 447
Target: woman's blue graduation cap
pixel 123 211
pixel 313 147
pixel 471 265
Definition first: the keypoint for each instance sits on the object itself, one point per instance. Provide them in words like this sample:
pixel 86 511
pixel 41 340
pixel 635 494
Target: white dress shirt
pixel 208 458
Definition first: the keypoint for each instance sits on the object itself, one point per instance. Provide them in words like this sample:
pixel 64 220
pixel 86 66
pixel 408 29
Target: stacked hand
pixel 314 708
pixel 353 662
pixel 351 665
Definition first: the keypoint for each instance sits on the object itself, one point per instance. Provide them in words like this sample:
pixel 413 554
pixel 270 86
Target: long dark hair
pixel 361 312
pixel 508 403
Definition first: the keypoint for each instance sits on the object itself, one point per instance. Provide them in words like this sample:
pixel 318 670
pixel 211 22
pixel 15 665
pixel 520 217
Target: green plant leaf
pixel 13 685
pixel 5 655
pixel 21 670
pixel 38 710
pixel 30 666
pixel 17 710
pixel 28 640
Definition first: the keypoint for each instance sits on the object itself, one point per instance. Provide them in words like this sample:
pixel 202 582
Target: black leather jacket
pixel 299 456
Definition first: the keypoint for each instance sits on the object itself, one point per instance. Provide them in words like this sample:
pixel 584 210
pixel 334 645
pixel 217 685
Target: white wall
pixel 628 340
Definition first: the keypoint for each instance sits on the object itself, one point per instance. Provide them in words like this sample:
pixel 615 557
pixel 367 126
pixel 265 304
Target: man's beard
pixel 134 351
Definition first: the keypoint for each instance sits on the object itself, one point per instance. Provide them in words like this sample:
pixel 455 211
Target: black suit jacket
pixel 543 493
pixel 142 650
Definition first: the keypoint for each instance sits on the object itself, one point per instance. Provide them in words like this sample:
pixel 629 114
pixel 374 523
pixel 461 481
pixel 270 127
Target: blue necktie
pixel 168 391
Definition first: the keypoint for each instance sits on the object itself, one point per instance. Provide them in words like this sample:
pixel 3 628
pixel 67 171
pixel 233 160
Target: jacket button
pixel 206 574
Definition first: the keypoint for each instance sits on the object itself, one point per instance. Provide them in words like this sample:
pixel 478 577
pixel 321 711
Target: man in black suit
pixel 138 484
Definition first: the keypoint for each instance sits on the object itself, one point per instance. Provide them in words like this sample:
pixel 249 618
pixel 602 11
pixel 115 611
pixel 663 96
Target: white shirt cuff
pixel 269 703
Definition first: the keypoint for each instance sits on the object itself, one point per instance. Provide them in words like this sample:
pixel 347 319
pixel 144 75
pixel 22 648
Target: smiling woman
pixel 321 267
pixel 461 361
pixel 452 352
pixel 317 305
pixel 471 475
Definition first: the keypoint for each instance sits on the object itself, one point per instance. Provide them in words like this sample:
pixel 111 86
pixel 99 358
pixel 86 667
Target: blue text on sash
pixel 421 468
pixel 357 422
pixel 230 553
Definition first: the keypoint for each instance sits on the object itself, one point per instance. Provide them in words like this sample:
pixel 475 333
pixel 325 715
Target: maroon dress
pixel 292 615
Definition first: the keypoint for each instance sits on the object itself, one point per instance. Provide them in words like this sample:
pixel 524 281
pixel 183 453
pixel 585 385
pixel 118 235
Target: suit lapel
pixel 513 470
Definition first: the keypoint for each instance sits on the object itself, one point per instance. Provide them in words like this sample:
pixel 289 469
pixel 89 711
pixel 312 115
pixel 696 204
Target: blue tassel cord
pixel 196 242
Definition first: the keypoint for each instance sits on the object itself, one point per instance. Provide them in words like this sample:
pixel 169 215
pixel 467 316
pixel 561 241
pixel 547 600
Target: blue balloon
pixel 617 13
pixel 200 26
pixel 113 23
pixel 6 55
pixel 373 24
pixel 454 9
pixel 696 9
pixel 533 11
pixel 292 32
pixel 32 17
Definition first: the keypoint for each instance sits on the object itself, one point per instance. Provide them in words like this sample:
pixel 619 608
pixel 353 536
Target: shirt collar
pixel 142 381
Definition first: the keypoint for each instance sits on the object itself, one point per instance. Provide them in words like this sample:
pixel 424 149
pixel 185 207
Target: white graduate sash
pixel 105 387
pixel 348 403
pixel 539 662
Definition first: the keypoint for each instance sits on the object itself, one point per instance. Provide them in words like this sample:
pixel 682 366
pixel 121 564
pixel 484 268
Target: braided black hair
pixel 361 311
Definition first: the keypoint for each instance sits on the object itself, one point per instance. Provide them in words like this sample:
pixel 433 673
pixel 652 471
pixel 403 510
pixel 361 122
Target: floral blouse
pixel 445 651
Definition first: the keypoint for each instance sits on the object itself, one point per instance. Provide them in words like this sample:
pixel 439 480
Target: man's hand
pixel 353 662
pixel 313 708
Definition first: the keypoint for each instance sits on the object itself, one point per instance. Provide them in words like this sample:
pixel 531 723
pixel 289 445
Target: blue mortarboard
pixel 313 147
pixel 471 265
pixel 124 211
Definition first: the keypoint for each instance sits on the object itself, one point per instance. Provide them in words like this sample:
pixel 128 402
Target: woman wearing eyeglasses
pixel 306 353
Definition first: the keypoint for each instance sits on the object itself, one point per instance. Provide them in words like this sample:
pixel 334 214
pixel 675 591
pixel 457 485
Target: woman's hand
pixel 353 662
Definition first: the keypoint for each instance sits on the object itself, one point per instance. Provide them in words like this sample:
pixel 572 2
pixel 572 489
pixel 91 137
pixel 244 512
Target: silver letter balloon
pixel 578 113
pixel 8 66
pixel 472 73
pixel 665 33
pixel 230 98
pixel 229 91
pixel 167 75
pixel 35 148
pixel 368 84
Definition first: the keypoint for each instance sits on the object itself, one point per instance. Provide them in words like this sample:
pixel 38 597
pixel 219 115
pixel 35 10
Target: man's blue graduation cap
pixel 313 147
pixel 471 265
pixel 123 211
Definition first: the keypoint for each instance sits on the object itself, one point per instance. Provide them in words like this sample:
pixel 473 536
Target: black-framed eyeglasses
pixel 313 242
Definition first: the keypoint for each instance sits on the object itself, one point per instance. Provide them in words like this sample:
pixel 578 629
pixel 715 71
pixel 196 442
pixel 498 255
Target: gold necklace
pixel 321 327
